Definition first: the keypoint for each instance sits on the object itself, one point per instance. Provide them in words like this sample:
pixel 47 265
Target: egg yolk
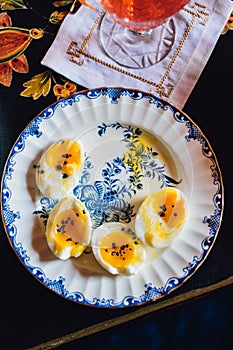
pixel 69 229
pixel 118 249
pixel 169 206
pixel 64 156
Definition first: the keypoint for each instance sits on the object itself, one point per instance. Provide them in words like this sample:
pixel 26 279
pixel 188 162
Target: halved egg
pixel 117 249
pixel 161 217
pixel 59 168
pixel 68 229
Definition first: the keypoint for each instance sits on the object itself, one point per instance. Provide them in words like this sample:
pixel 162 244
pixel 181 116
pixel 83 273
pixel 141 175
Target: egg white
pixel 68 229
pixel 51 180
pixel 156 224
pixel 127 268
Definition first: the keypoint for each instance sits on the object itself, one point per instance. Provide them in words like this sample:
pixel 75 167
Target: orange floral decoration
pixel 18 64
pixel 228 25
pixel 66 90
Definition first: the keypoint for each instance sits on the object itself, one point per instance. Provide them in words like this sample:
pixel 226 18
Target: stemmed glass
pixel 138 33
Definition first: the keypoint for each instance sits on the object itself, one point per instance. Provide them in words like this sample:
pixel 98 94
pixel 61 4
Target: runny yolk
pixel 118 249
pixel 64 156
pixel 69 229
pixel 168 206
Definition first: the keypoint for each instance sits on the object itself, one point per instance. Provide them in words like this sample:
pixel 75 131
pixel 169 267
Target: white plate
pixel 171 151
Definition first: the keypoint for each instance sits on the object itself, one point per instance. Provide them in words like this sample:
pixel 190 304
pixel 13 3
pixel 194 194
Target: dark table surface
pixel 30 313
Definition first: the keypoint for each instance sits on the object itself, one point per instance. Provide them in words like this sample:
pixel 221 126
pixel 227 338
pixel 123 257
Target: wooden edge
pixel 104 325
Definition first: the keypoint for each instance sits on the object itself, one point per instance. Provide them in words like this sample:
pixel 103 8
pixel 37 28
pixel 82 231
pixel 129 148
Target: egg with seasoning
pixel 117 249
pixel 161 217
pixel 59 168
pixel 68 229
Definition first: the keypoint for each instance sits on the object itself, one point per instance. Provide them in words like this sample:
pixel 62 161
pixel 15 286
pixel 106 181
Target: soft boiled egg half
pixel 117 249
pixel 59 168
pixel 68 229
pixel 161 217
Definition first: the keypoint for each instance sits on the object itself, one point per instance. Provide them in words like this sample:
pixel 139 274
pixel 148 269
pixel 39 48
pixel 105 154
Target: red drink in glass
pixel 142 14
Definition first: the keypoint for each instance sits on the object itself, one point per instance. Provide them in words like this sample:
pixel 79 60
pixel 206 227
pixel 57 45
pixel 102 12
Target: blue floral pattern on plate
pixel 106 198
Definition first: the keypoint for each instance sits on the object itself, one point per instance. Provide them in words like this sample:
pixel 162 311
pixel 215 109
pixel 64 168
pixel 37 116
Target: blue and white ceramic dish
pixel 135 144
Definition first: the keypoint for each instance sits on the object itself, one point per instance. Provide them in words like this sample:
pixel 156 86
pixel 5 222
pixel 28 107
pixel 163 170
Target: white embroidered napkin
pixel 77 54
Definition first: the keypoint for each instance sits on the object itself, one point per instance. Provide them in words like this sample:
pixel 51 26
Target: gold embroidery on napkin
pixel 78 53
pixel 200 12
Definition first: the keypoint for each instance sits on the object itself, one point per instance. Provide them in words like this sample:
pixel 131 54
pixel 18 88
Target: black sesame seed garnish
pixel 163 207
pixel 65 155
pixel 61 229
